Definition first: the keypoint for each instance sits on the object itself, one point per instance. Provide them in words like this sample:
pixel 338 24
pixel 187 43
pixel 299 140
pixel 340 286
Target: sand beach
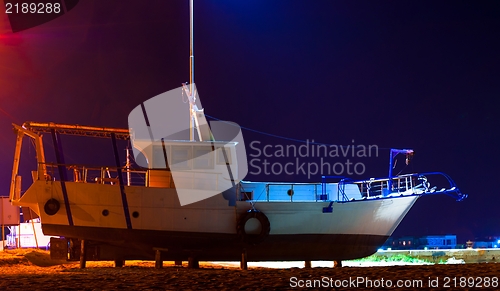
pixel 33 270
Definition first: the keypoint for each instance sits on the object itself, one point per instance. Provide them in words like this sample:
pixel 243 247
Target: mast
pixel 191 68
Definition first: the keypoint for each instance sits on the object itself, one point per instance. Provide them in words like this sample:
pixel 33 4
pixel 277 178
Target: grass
pixel 395 258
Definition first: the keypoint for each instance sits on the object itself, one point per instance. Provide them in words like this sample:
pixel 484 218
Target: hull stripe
pixel 120 181
pixel 62 173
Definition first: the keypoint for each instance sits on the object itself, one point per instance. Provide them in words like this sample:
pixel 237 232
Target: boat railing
pixel 161 178
pixel 95 174
pixel 402 185
pixel 345 189
pixel 409 184
pixel 341 192
pixel 380 187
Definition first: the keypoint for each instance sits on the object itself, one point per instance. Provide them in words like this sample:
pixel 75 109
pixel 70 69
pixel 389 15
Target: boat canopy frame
pixel 34 130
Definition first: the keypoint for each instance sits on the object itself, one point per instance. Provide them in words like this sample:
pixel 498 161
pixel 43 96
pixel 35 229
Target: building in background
pixel 448 241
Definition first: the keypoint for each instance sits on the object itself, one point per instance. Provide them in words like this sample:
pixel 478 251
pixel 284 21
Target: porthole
pixel 52 206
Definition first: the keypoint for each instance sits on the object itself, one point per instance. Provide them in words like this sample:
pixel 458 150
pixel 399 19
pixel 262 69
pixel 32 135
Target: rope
pixel 283 137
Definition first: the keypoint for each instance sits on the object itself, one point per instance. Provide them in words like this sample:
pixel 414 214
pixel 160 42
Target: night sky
pixel 420 74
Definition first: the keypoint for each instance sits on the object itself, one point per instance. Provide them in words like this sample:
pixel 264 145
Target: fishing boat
pixel 188 200
pixel 127 219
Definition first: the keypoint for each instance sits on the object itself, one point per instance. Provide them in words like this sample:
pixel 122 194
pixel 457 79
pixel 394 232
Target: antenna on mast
pixel 197 117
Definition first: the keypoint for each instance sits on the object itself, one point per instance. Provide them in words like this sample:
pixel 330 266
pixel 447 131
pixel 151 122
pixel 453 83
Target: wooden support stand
pixel 158 260
pixel 307 264
pixel 159 257
pixel 83 254
pixel 244 260
pixel 337 264
pixel 193 263
pixel 119 263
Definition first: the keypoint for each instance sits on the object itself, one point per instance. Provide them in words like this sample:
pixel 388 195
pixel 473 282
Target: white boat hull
pixel 208 229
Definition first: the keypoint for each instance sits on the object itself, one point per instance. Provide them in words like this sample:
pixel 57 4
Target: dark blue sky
pixel 422 75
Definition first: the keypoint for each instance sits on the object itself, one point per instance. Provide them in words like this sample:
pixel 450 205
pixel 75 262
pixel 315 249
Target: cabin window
pixel 221 160
pixel 203 158
pixel 181 157
pixel 159 157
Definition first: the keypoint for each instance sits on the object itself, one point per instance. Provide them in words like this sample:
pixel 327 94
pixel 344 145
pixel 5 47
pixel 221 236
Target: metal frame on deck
pixel 75 129
pixel 34 130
